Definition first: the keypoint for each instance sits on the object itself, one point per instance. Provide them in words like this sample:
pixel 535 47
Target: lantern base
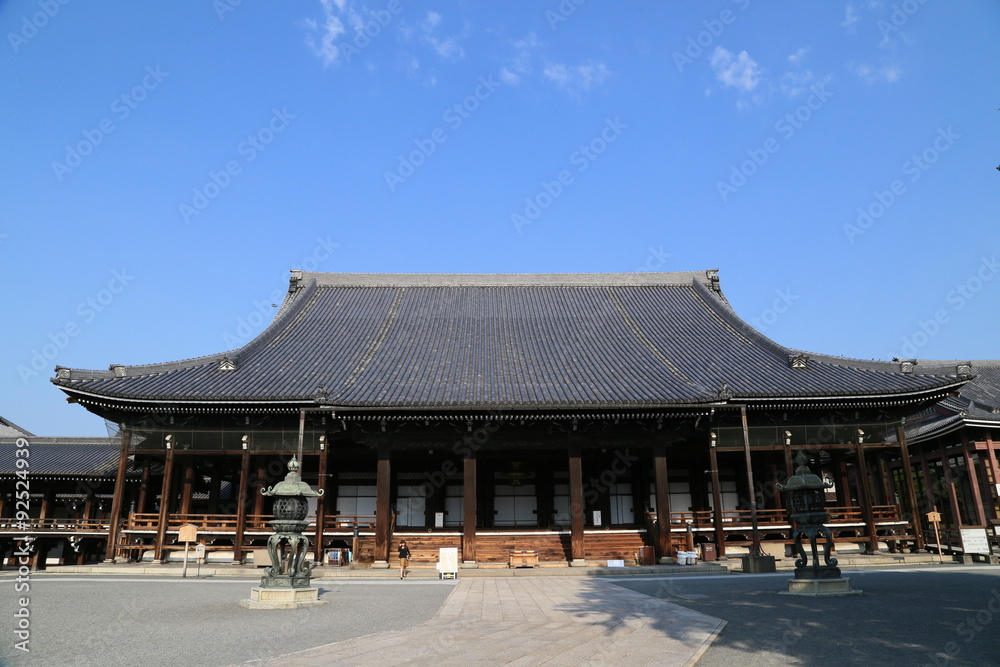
pixel 821 572
pixel 282 598
pixel 818 588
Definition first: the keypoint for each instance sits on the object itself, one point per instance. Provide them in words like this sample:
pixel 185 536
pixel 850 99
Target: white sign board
pixel 439 519
pixel 597 517
pixel 975 541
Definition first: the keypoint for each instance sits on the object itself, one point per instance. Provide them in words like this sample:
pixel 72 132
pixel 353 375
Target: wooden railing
pixel 207 523
pixel 741 518
pixel 9 525
pixel 226 523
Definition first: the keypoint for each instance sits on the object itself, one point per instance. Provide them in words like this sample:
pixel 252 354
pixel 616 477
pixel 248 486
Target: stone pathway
pixel 532 621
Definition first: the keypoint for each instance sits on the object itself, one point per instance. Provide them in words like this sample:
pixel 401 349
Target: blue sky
pixel 164 167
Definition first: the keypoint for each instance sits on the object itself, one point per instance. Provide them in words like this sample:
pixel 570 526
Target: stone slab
pixel 282 598
pixel 820 587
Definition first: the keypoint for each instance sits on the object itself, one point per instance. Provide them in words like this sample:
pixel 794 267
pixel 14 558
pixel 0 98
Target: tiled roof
pixel 977 403
pixel 504 341
pixel 9 429
pixel 64 456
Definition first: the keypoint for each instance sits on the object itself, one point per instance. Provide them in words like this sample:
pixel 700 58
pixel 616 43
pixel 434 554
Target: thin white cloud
pixel 445 47
pixel 736 71
pixel 870 74
pixel 322 38
pixel 576 79
pixel 508 77
pixel 850 18
pixel 797 57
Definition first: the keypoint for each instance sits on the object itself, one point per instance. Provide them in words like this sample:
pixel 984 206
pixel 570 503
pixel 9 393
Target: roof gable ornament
pixel 295 282
pixel 964 370
pixel 713 278
pixel 321 397
pixel 118 370
pixel 906 365
pixel 724 394
pixel 227 364
pixel 798 360
pixel 64 373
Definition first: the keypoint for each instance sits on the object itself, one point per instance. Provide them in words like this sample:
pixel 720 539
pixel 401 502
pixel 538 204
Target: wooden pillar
pixel 952 494
pixel 140 505
pixel 469 497
pixel 215 490
pixel 991 454
pixel 116 503
pixel 88 506
pixel 258 498
pixel 866 499
pixel 47 498
pixel 241 507
pixel 911 494
pixel 321 501
pixel 789 465
pixel 576 507
pixel 664 546
pixel 774 501
pixel 843 483
pixel 720 534
pixel 161 525
pixel 977 498
pixel 188 489
pixel 383 511
pixel 885 480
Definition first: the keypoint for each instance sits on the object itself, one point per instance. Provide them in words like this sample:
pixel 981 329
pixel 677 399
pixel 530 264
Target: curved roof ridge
pixel 733 319
pixel 9 429
pixel 718 302
pixel 507 279
pixel 290 306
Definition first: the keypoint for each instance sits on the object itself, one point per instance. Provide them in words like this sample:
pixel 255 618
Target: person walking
pixel 404 558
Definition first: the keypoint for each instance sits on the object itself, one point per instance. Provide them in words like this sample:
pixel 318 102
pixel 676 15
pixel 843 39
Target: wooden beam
pixel 720 534
pixel 140 505
pixel 321 502
pixel 576 506
pixel 261 482
pixel 187 491
pixel 383 511
pixel 911 494
pixel 995 468
pixel 952 494
pixel 116 503
pixel 241 507
pixel 161 526
pixel 977 497
pixel 866 500
pixel 661 484
pixel 469 518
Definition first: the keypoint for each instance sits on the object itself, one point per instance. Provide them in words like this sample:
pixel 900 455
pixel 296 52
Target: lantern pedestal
pixel 820 587
pixel 282 598
pixel 758 564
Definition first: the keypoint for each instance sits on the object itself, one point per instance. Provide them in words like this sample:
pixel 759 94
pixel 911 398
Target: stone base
pixel 758 564
pixel 470 565
pixel 282 598
pixel 578 562
pixel 668 560
pixel 820 588
pixel 380 565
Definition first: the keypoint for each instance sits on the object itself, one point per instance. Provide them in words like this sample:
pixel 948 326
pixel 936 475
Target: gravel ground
pixel 115 621
pixel 929 616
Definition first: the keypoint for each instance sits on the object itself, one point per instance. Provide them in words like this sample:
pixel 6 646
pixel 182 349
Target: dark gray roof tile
pixel 496 341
